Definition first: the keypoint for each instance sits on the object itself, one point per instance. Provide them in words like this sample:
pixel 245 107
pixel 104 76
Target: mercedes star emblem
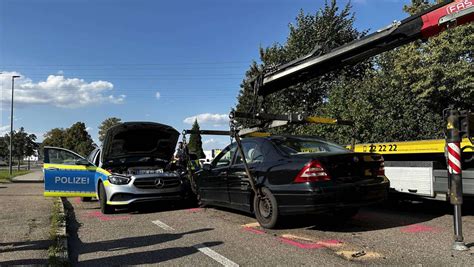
pixel 159 183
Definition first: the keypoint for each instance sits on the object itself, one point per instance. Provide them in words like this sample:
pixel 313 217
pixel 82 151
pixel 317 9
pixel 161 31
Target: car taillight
pixel 312 172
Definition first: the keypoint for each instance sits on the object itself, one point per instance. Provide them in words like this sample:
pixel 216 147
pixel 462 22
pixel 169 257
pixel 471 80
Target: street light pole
pixel 11 128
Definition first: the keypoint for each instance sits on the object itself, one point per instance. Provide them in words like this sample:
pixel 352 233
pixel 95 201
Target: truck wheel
pixel 86 199
pixel 104 207
pixel 266 209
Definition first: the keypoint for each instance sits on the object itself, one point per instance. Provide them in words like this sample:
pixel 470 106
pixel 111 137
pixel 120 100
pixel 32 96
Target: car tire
pixel 266 209
pixel 86 199
pixel 104 207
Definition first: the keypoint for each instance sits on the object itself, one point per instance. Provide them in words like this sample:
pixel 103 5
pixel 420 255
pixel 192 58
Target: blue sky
pixel 164 61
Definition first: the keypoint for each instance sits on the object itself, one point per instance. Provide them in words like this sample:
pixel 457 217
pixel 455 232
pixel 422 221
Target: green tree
pixel 439 71
pixel 396 96
pixel 195 142
pixel 55 137
pixel 78 139
pixel 107 124
pixel 31 147
pixel 403 97
pixel 75 138
pixel 317 33
pixel 23 145
pixel 3 148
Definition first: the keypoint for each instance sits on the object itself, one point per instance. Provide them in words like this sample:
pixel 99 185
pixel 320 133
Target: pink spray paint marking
pixel 419 228
pixel 253 230
pixel 77 200
pixel 102 217
pixel 301 245
pixel 94 214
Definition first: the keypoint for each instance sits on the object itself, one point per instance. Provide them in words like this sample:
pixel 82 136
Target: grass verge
pixel 57 252
pixel 5 175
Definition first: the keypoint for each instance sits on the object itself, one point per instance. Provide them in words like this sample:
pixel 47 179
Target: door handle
pixel 52 169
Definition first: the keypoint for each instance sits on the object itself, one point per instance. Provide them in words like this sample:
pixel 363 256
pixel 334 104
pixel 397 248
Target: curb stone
pixel 62 233
pixel 61 255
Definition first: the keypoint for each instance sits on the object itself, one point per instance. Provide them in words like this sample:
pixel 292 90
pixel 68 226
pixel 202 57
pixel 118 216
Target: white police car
pixel 132 166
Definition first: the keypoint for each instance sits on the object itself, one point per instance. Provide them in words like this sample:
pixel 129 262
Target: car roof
pixel 283 137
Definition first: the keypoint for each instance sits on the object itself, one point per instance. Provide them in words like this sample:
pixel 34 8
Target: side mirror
pixel 83 162
pixel 206 167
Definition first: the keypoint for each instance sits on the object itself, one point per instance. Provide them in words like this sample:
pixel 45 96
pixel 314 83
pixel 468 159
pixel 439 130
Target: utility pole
pixel 11 128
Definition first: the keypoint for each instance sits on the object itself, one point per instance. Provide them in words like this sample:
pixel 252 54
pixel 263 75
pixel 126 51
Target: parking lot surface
pixel 25 224
pixel 159 233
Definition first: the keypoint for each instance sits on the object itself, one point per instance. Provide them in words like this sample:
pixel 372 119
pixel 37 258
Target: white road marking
pixel 163 225
pixel 216 256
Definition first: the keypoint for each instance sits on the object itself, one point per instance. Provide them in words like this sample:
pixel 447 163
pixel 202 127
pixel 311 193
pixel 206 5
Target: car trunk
pixel 348 167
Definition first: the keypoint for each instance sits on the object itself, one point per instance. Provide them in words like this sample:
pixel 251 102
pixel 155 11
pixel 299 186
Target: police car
pixel 134 165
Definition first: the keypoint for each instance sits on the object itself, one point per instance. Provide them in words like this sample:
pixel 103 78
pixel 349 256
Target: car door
pixel 238 182
pixel 213 181
pixel 67 174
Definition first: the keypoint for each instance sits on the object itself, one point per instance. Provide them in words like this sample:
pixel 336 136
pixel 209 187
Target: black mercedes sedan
pixel 294 175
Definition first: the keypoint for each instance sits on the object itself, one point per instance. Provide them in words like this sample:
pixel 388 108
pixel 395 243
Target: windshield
pixel 301 145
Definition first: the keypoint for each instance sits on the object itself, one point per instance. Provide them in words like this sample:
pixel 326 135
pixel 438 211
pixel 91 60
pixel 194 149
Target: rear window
pixel 296 146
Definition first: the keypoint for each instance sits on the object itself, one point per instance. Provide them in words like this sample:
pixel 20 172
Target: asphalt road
pixel 401 234
pixel 24 224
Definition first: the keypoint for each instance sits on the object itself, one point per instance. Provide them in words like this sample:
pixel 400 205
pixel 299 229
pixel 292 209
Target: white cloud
pixel 59 91
pixel 158 95
pixel 4 130
pixel 208 118
pixel 212 143
pixel 89 128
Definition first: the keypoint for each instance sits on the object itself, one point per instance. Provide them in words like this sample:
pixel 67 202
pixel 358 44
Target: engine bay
pixel 140 170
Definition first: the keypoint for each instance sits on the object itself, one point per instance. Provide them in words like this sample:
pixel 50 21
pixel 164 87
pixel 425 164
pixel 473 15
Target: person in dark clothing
pixel 181 155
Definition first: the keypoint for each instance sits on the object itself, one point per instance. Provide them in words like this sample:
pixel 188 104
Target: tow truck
pixel 416 167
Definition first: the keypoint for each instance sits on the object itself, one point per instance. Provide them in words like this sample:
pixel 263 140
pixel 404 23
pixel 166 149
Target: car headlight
pixel 115 179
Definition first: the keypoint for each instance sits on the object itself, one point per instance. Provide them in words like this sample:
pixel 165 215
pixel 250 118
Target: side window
pixel 60 156
pixel 225 157
pixel 252 151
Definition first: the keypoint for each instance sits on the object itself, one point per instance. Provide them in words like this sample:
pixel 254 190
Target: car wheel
pixel 86 199
pixel 266 209
pixel 104 207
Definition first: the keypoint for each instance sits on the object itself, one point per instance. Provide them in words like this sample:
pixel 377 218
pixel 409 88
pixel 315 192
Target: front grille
pixel 151 182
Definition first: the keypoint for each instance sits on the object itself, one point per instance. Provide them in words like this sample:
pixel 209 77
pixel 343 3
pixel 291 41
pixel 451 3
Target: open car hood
pixel 139 139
